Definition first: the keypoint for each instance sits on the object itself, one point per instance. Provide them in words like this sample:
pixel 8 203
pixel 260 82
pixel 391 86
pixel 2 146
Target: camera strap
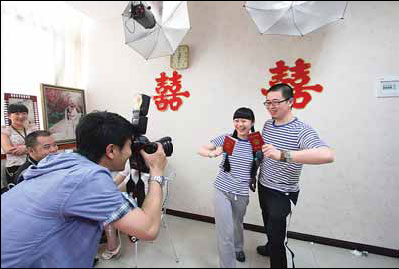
pixel 136 190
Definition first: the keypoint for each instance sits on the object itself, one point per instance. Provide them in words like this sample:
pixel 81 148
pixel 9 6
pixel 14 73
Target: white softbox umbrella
pixel 171 25
pixel 295 18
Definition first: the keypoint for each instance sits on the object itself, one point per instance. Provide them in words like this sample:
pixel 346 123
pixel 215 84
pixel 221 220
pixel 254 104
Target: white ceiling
pixel 100 10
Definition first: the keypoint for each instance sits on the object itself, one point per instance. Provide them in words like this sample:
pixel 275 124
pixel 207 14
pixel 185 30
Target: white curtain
pixel 41 42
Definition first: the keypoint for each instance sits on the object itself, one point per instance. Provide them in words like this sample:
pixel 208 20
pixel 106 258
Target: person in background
pixel 13 140
pixel 39 144
pixel 289 143
pixel 237 172
pixel 122 180
pixel 68 198
pixel 113 247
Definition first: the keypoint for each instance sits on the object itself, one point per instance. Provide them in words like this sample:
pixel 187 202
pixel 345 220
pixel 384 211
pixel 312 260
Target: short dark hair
pixel 96 130
pixel 31 139
pixel 14 108
pixel 286 91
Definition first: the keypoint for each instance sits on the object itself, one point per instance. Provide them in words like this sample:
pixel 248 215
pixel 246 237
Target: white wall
pixel 353 199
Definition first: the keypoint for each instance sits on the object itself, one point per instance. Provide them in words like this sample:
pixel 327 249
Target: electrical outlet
pixel 388 86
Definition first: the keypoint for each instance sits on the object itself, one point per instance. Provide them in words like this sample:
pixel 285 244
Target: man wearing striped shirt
pixel 289 143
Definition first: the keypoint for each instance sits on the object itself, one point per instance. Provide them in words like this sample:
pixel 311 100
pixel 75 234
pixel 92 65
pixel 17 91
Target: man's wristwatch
pixel 286 156
pixel 160 179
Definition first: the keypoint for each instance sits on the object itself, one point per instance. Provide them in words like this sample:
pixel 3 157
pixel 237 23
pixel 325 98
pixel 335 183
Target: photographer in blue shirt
pixel 55 217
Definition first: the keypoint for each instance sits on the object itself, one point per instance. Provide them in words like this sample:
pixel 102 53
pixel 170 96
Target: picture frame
pixel 30 101
pixel 62 109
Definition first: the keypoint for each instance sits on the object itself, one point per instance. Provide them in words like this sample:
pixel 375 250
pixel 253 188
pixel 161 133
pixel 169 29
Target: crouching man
pixel 55 217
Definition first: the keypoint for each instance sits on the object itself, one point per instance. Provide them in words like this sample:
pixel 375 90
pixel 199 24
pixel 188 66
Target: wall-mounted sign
pixel 388 86
pixel 168 89
pixel 298 78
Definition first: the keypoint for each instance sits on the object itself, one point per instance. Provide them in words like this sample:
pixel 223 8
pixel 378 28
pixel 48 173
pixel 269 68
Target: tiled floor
pixel 196 247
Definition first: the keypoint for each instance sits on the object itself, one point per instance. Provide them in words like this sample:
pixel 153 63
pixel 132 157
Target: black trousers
pixel 10 174
pixel 276 206
pixel 10 178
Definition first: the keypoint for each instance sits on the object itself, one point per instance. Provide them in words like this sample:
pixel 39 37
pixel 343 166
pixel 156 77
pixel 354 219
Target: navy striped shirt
pixel 237 180
pixel 292 136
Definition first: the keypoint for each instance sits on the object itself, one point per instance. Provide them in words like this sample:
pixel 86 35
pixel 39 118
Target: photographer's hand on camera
pixel 147 157
pixel 156 162
pixel 144 222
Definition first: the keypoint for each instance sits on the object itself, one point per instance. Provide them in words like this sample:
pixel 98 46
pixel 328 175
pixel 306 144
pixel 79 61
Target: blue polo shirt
pixel 55 217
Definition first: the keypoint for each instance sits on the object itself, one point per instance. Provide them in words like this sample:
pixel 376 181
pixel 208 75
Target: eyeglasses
pixel 274 102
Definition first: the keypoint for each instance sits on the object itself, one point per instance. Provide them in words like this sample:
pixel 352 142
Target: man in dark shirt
pixel 39 144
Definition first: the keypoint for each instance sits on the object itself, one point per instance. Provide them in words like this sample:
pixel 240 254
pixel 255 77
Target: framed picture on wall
pixel 29 101
pixel 62 109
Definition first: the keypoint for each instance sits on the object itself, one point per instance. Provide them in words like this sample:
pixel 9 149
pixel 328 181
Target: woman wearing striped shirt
pixel 237 172
pixel 289 143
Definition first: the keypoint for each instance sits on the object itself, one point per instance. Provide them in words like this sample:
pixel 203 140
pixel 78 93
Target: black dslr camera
pixel 139 141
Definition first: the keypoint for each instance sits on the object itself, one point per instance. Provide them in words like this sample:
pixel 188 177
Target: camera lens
pixel 167 145
pixel 151 148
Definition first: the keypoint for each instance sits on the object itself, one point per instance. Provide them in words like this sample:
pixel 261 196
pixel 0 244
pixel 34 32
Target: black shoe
pixel 263 250
pixel 95 261
pixel 240 256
